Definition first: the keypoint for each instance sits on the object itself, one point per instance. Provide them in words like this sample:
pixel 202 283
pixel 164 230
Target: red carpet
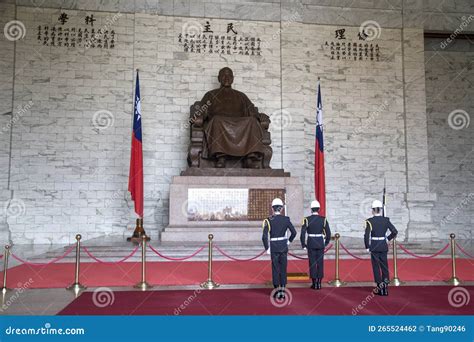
pixel 225 272
pixel 407 300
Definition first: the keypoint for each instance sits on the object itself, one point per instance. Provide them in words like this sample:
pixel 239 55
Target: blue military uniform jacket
pixel 276 226
pixel 375 230
pixel 315 225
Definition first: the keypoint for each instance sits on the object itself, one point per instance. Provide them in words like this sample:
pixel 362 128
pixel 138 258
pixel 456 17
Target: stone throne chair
pixel 197 120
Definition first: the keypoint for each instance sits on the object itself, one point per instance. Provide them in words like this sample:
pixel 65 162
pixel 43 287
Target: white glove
pixel 268 251
pixel 304 248
pixel 288 242
pixel 368 250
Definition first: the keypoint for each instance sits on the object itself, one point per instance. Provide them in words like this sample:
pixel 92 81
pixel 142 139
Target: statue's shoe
pixel 220 162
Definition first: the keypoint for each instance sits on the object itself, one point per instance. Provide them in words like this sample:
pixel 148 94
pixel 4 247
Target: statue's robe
pixel 231 125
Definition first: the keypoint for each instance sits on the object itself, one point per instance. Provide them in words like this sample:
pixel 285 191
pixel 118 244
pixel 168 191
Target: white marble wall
pixel 7 14
pixel 363 123
pixel 69 176
pixel 70 168
pixel 449 89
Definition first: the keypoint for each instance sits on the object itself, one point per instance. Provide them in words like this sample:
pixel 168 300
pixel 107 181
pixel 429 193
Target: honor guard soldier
pixel 276 226
pixel 376 243
pixel 316 229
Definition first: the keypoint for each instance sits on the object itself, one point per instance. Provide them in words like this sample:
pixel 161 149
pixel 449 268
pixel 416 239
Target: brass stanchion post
pixel 143 285
pixel 209 283
pixel 76 287
pixel 395 281
pixel 5 268
pixel 337 281
pixel 454 280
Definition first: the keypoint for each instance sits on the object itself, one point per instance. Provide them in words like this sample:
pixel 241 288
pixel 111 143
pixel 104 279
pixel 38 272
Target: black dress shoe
pixel 378 290
pixel 313 286
pixel 318 285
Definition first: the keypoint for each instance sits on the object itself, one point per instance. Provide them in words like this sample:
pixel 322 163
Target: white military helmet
pixel 315 204
pixel 276 202
pixel 377 204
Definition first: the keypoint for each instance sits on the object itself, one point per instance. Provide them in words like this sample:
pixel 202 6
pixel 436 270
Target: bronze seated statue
pixel 227 131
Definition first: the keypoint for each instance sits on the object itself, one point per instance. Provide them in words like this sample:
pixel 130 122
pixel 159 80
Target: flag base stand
pixel 138 233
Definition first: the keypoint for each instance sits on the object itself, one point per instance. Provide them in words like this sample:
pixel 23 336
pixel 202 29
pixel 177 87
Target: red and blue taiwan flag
pixel 135 179
pixel 319 174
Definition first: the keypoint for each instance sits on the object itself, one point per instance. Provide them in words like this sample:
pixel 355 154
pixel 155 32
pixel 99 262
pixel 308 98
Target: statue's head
pixel 226 77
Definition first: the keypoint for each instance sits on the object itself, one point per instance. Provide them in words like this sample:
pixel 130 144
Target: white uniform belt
pixel 315 235
pixel 378 238
pixel 279 238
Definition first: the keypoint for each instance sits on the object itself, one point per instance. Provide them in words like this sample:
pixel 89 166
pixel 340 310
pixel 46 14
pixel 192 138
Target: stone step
pixel 189 236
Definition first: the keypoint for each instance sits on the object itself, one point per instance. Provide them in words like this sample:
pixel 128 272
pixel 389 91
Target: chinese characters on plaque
pixel 209 42
pixel 360 49
pixel 259 205
pixel 63 35
pixel 230 204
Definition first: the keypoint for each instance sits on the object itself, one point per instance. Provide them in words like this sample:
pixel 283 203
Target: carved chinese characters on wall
pixel 203 39
pixel 345 46
pixel 61 34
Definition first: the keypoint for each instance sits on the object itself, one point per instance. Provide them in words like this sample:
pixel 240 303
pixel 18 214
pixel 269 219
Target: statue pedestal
pixel 186 195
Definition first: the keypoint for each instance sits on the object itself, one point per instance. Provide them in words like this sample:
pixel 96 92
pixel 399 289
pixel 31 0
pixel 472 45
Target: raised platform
pixel 234 172
pixel 182 228
pixel 230 231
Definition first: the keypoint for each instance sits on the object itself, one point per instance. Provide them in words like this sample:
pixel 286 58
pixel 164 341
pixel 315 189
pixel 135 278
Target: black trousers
pixel 316 262
pixel 380 267
pixel 279 263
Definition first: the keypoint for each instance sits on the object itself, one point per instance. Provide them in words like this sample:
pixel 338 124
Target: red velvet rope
pixel 304 258
pixel 71 248
pixel 464 251
pixel 236 259
pixel 176 259
pixel 352 255
pixel 110 262
pixel 424 256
